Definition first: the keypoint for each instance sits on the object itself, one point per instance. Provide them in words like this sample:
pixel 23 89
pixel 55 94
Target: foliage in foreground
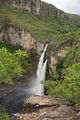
pixel 11 65
pixel 66 81
pixel 10 47
pixel 3 114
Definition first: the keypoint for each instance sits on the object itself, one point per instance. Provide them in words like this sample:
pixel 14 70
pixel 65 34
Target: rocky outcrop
pixel 17 35
pixel 29 5
pixel 61 53
pixel 51 10
pixel 36 7
pixel 55 51
pixel 39 47
pixel 36 103
pixel 20 36
pixel 47 108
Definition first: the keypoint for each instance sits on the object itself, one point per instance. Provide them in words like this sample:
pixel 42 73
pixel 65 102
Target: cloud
pixel 70 6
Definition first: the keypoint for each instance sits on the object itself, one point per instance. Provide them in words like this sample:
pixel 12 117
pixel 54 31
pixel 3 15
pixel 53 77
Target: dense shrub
pixel 3 114
pixel 11 65
pixel 66 79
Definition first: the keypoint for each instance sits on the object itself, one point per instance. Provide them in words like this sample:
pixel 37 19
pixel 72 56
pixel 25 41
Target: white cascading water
pixel 43 71
pixel 41 62
pixel 41 75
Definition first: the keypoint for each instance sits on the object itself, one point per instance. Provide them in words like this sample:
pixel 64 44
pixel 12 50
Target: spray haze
pixel 13 101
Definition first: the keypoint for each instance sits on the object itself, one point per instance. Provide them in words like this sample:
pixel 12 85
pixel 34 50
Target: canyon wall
pixel 51 10
pixel 35 7
pixel 17 35
pixel 29 5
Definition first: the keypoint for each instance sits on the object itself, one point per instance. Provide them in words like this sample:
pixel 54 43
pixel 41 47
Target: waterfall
pixel 14 100
pixel 38 87
pixel 41 73
pixel 40 65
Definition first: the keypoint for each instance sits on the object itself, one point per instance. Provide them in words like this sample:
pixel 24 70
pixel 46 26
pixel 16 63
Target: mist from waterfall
pixel 13 101
pixel 41 75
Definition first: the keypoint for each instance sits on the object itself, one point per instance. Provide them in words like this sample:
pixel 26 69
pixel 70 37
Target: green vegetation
pixel 41 27
pixel 66 79
pixel 11 48
pixel 14 61
pixel 3 114
pixel 11 65
pixel 75 19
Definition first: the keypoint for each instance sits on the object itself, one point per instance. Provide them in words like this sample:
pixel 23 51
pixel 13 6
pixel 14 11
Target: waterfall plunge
pixel 38 87
pixel 41 73
pixel 41 63
pixel 13 101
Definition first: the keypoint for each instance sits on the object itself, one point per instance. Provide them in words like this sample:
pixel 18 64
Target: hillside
pixel 75 19
pixel 42 27
pixel 30 29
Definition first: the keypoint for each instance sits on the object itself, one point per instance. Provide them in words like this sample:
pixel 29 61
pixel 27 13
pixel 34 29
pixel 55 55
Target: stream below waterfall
pixel 13 101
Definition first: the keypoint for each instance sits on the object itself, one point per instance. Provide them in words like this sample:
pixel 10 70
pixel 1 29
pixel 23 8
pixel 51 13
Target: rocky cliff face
pixel 36 7
pixel 29 5
pixel 51 11
pixel 17 35
pixel 54 52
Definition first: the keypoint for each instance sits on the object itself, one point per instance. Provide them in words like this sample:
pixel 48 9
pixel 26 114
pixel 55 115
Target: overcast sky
pixel 70 6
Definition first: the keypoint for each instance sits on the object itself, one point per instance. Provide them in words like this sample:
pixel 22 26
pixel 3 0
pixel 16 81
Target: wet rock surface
pixel 47 108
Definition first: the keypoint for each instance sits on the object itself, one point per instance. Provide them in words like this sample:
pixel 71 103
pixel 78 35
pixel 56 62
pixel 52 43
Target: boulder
pixel 47 108
pixel 36 103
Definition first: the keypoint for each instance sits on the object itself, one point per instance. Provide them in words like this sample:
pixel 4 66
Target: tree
pixel 10 65
pixel 3 114
pixel 67 85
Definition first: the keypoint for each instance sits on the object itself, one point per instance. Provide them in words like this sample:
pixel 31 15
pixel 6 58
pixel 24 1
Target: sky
pixel 69 6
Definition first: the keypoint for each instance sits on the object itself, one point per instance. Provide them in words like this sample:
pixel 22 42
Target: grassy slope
pixel 41 27
pixel 75 19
